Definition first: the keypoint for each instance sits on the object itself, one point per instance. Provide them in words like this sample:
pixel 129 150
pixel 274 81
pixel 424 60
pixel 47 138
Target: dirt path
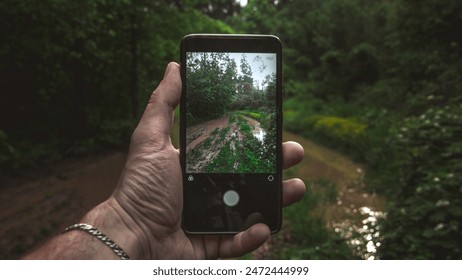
pixel 207 140
pixel 32 211
pixel 202 131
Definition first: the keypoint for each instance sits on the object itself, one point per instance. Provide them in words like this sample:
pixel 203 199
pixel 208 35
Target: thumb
pixel 244 242
pixel 157 120
pixel 169 89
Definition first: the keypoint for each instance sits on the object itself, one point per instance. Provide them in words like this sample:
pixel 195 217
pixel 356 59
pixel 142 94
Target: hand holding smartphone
pixel 231 132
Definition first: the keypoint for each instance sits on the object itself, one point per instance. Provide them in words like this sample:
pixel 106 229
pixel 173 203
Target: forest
pixel 378 81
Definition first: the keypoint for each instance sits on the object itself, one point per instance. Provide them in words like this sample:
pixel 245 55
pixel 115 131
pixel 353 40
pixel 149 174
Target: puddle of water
pixel 362 233
pixel 355 217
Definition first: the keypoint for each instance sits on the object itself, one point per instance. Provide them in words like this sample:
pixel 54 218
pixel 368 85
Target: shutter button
pixel 231 198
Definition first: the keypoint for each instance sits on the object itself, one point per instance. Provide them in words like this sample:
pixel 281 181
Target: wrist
pixel 110 218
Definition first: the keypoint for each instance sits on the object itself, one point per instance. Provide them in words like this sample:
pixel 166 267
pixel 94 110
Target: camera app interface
pixel 231 113
pixel 230 140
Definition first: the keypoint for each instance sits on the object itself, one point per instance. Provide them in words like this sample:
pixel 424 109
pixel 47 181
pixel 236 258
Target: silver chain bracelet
pixel 101 236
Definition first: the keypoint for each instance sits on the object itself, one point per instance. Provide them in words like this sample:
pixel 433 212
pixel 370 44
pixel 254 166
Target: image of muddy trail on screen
pixel 230 112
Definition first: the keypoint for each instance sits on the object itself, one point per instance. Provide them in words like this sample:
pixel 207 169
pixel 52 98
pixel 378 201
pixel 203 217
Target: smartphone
pixel 231 132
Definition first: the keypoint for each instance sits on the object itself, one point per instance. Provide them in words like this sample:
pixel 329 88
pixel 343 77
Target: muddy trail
pixel 207 143
pixel 33 210
pixel 202 144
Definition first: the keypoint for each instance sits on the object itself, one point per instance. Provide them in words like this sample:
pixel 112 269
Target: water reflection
pixel 362 233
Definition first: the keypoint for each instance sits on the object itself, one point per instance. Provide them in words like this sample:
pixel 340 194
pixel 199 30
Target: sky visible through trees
pixel 261 65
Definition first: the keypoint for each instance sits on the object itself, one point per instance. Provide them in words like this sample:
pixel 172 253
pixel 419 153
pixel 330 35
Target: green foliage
pixel 223 161
pixel 216 86
pixel 333 125
pixel 244 127
pixel 211 79
pixel 381 81
pixel 342 129
pixel 246 154
pixel 75 74
pixel 424 222
pixel 252 114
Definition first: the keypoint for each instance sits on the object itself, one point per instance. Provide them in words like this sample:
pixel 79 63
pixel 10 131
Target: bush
pixel 425 217
pixel 343 129
pixel 332 125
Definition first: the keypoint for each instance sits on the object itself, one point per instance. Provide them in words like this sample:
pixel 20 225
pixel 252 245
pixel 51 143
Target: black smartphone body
pixel 231 132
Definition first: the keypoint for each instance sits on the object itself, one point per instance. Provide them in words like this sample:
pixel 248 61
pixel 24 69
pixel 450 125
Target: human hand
pixel 149 200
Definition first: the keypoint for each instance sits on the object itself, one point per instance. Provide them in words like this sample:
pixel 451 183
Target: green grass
pixel 243 126
pixel 223 162
pixel 256 115
pixel 207 142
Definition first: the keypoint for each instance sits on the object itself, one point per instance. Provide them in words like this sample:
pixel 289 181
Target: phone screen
pixel 231 134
